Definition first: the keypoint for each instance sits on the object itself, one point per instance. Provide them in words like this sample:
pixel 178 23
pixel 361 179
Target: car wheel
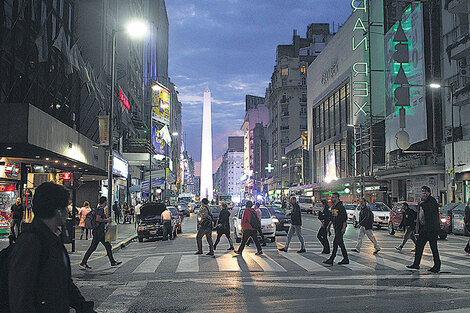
pixel 141 239
pixel 391 230
pixel 443 235
pixel 356 225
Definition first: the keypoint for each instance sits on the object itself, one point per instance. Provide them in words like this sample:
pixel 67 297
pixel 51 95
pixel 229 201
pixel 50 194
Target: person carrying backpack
pixel 295 227
pixel 250 224
pixel 39 273
pixel 204 227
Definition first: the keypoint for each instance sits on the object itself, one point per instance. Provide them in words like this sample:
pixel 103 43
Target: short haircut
pixel 293 197
pixel 224 205
pixel 205 201
pixel 103 200
pixel 335 194
pixel 48 198
pixel 426 188
pixel 249 204
pixel 86 203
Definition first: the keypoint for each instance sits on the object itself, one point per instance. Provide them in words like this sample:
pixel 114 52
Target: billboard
pixel 331 167
pixel 159 134
pixel 120 166
pixel 161 105
pixel 415 114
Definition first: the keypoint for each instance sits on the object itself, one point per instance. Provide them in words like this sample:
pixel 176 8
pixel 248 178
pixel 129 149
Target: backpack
pixel 4 258
pixel 254 220
pixel 90 220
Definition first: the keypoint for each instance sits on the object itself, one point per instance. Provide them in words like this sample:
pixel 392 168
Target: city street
pixel 159 276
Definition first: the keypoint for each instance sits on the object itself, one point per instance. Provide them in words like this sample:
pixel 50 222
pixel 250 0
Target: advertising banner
pixel 158 141
pixel 415 114
pixel 120 166
pixel 161 106
pixel 103 124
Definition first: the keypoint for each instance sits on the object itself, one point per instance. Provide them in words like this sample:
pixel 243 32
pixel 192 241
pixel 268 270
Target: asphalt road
pixel 159 276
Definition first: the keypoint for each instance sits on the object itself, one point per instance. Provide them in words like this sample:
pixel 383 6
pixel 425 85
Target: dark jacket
pixel 366 217
pixel 431 215
pixel 224 220
pixel 325 216
pixel 409 217
pixel 338 216
pixel 17 211
pixel 39 276
pixel 296 215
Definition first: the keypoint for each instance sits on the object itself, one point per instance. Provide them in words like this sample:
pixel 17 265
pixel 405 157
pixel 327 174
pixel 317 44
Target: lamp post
pixel 135 29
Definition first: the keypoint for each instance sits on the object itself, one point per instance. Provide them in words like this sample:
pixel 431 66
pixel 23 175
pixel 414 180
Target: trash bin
pixel 67 231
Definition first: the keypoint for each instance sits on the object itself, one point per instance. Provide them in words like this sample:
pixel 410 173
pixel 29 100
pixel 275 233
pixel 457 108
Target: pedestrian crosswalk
pixel 274 261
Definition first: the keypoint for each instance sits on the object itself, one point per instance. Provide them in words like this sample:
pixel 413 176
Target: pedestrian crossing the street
pixel 274 261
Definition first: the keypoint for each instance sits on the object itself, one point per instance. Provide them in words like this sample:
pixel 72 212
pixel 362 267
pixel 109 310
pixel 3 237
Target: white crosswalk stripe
pixel 107 269
pixel 227 263
pixel 188 263
pixel 149 265
pixel 305 263
pixel 266 263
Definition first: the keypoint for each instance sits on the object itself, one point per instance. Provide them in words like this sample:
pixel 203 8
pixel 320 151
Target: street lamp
pixel 135 29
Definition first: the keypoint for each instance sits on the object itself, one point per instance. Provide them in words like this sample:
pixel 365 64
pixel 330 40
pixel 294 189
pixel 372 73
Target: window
pixel 285 71
pixel 303 69
pixel 304 81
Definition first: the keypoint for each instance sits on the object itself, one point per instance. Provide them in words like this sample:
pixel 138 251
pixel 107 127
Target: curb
pixel 124 242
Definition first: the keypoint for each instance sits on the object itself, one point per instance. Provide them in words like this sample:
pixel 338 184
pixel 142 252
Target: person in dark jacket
pixel 428 229
pixel 223 226
pixel 466 220
pixel 366 220
pixel 339 220
pixel 17 212
pixel 322 235
pixel 204 227
pixel 295 227
pixel 39 273
pixel 117 212
pixel 248 231
pixel 409 224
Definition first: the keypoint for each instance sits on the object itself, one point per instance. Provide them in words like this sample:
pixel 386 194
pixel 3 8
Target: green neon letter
pixel 362 87
pixel 363 40
pixel 355 8
pixel 359 25
pixel 363 68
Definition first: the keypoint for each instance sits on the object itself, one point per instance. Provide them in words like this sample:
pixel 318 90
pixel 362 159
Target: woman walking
pixel 223 226
pixel 83 212
pixel 325 218
pixel 467 224
pixel 409 224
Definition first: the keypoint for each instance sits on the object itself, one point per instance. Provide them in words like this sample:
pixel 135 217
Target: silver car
pixel 268 226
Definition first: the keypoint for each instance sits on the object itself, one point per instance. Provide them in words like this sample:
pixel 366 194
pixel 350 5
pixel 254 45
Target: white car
pixel 350 208
pixel 381 214
pixel 268 225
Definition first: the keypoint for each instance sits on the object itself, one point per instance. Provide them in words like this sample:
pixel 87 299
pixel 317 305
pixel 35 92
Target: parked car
pixel 268 226
pixel 396 215
pixel 279 217
pixel 317 207
pixel 277 203
pixel 350 207
pixel 446 219
pixel 457 216
pixel 183 208
pixel 305 204
pixel 215 209
pixel 381 214
pixel 149 224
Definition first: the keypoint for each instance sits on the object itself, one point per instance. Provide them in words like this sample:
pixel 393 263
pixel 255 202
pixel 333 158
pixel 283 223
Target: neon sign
pixel 360 70
pixel 124 100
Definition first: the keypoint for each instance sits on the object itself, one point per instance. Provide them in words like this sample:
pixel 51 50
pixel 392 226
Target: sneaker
pixel 434 269
pixel 344 261
pixel 355 250
pixel 215 247
pixel 376 251
pixel 231 248
pixel 259 253
pixel 282 249
pixel 412 266
pixel 210 253
pixel 301 251
pixel 84 266
pixel 263 244
pixel 329 262
pixel 198 252
pixel 237 251
pixel 325 252
pixel 398 248
pixel 116 263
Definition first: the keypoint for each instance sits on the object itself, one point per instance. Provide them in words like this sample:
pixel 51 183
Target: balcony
pixel 457 6
pixel 460 48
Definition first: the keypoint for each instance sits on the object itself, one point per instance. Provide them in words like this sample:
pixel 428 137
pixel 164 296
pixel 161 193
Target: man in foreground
pixel 339 221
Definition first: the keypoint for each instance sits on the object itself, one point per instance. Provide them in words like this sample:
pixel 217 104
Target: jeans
pixel 323 237
pixel 220 234
pixel 84 230
pixel 16 222
pixel 297 229
pixel 201 233
pixel 409 233
pixel 362 232
pixel 425 236
pixel 339 242
pixel 249 233
pixel 167 230
pixel 98 236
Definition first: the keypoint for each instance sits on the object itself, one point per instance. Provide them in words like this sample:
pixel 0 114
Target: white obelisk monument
pixel 206 153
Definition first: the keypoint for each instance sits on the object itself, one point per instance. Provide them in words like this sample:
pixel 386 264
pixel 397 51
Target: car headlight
pixel 271 226
pixel 443 220
pixel 275 220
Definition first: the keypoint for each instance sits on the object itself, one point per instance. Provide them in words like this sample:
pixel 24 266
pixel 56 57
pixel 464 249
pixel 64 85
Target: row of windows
pixel 341 155
pixel 285 70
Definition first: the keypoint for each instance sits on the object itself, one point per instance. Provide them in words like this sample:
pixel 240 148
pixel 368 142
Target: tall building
pixel 255 143
pixel 228 178
pixel 286 95
pixel 455 69
pixel 206 190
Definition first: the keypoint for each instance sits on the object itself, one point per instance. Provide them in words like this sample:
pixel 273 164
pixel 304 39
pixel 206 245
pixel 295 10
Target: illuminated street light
pixel 137 29
pixel 435 85
pixel 175 133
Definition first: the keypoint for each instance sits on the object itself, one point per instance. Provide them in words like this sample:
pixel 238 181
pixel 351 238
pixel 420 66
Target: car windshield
pixel 173 211
pixel 305 200
pixel 378 207
pixel 349 206
pixel 414 207
pixel 215 209
pixel 275 210
pixel 264 213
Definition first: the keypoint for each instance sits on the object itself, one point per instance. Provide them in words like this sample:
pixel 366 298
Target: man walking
pixel 249 224
pixel 166 222
pixel 339 220
pixel 428 229
pixel 223 227
pixel 99 236
pixel 325 218
pixel 409 223
pixel 366 220
pixel 17 212
pixel 117 212
pixel 259 230
pixel 137 211
pixel 205 227
pixel 39 274
pixel 295 227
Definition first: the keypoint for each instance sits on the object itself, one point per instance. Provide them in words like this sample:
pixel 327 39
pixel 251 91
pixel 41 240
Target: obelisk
pixel 206 146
